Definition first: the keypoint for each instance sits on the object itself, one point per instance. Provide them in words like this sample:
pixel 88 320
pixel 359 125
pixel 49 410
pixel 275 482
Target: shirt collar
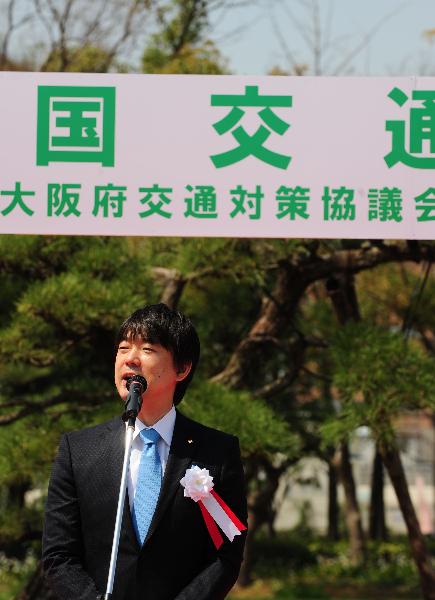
pixel 165 426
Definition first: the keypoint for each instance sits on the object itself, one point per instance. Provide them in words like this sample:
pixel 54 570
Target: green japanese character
pixel 292 202
pixel 385 204
pixel 155 207
pixel 76 124
pixel 338 204
pixel 62 199
pixel 109 198
pixel 17 200
pixel 425 203
pixel 246 202
pixel 251 145
pixel 203 203
pixel 421 129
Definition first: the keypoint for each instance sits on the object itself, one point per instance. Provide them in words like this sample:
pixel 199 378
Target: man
pixel 165 550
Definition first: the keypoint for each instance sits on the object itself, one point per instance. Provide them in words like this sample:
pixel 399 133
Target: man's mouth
pixel 126 376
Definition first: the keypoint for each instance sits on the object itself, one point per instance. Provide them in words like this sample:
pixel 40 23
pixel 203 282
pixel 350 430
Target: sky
pixel 372 37
pixel 255 38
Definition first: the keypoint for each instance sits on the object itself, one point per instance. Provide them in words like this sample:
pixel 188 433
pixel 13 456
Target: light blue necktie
pixel 148 484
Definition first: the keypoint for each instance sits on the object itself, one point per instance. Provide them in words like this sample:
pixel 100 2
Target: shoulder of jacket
pixel 207 432
pixel 95 430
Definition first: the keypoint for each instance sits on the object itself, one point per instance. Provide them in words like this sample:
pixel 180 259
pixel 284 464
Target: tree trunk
pixel 345 303
pixel 260 511
pixel 352 511
pixel 394 466
pixel 377 526
pixel 333 533
pixel 173 284
pixel 245 575
pixel 277 311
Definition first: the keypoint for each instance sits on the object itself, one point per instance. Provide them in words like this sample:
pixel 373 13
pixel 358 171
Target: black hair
pixel 159 324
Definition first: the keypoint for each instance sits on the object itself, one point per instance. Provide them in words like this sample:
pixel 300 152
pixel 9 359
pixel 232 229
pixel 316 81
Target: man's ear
pixel 184 372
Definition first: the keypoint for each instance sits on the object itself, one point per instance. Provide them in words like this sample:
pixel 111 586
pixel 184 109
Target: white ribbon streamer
pixel 221 517
pixel 197 485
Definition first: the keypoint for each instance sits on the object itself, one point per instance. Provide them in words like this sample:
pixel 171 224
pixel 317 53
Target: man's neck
pixel 149 419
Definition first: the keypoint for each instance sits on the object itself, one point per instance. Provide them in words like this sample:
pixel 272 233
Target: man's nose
pixel 132 356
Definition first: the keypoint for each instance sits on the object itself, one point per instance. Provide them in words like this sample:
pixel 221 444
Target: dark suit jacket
pixel 178 559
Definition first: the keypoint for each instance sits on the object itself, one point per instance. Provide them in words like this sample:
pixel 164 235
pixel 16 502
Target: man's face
pixel 155 363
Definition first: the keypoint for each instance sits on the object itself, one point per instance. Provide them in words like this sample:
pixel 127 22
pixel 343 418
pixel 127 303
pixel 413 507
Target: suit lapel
pixel 116 441
pixel 182 449
pixel 114 437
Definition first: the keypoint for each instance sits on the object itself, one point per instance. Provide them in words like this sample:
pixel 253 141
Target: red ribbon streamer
pixel 211 526
pixel 229 512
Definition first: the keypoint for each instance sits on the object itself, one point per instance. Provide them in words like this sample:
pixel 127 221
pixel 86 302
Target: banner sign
pixel 227 156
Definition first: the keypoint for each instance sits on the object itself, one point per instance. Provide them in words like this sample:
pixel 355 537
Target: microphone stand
pixel 136 385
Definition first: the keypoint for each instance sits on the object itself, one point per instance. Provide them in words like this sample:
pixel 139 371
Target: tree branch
pixel 75 399
pixel 293 278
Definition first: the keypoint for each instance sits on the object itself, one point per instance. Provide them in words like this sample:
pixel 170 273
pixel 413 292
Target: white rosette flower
pixel 197 483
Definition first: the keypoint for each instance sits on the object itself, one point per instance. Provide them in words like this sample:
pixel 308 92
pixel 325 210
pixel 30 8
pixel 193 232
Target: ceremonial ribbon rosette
pixel 198 485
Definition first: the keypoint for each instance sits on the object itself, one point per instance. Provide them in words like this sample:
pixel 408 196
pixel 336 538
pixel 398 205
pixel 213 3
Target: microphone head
pixel 139 380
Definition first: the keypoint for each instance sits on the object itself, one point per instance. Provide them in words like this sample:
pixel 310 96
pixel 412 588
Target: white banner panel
pixel 179 155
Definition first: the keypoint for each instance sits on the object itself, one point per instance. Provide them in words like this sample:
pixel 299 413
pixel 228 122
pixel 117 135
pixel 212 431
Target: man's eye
pixel 123 348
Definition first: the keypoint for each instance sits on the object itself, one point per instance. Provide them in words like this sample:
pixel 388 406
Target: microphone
pixel 136 385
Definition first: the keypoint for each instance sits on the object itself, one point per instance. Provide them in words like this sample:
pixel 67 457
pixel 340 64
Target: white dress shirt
pixel 165 428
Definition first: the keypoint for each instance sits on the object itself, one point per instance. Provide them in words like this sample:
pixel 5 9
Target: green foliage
pixel 290 566
pixel 180 45
pixel 38 256
pixel 202 60
pixel 76 290
pixel 377 375
pixel 261 432
pixel 83 59
pixel 22 455
pixel 65 298
pixel 391 292
pixel 183 19
pixel 284 552
pixel 14 573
